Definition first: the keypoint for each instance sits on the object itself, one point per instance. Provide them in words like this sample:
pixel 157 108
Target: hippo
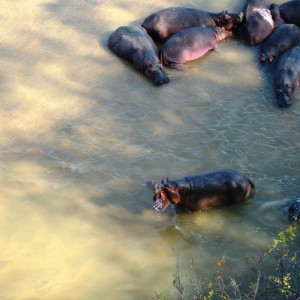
pixel 203 191
pixel 190 44
pixel 283 37
pixel 162 24
pixel 294 210
pixel 287 76
pixel 134 44
pixel 290 12
pixel 257 24
pixel 275 12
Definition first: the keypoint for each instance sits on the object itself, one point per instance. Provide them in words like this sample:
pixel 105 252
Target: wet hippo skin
pixel 203 191
pixel 134 44
pixel 162 24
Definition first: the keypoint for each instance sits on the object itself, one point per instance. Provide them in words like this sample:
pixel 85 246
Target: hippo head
pixel 225 21
pixel 164 194
pixel 228 21
pixel 294 211
pixel 284 94
pixel 274 9
pixel 156 74
pixel 275 12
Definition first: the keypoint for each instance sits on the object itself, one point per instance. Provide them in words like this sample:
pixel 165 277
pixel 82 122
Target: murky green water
pixel 82 132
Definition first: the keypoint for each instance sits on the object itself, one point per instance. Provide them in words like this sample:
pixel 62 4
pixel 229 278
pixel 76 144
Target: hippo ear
pixel 151 185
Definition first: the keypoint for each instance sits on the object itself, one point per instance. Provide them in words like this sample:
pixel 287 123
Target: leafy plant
pixel 276 276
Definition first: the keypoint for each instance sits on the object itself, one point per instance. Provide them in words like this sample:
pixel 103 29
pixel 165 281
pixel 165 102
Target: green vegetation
pixel 274 276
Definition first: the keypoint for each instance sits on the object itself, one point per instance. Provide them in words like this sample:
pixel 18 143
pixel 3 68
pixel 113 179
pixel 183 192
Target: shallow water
pixel 82 132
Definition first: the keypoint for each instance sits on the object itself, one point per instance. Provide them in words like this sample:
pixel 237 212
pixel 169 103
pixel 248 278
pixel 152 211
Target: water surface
pixel 82 132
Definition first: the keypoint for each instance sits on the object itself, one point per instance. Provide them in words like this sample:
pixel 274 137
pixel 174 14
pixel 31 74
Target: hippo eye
pixel 149 66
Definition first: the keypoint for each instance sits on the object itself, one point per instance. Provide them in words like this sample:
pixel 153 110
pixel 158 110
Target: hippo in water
pixel 203 191
pixel 190 44
pixel 257 24
pixel 283 37
pixel 287 76
pixel 134 44
pixel 162 24
pixel 294 210
pixel 290 12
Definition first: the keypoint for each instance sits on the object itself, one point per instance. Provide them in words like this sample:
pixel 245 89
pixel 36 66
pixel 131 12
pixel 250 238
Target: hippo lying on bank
pixel 294 211
pixel 287 76
pixel 290 12
pixel 190 44
pixel 134 44
pixel 283 37
pixel 203 191
pixel 162 24
pixel 257 24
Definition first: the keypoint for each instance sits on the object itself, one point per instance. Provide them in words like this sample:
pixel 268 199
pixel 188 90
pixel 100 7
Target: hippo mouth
pixel 160 204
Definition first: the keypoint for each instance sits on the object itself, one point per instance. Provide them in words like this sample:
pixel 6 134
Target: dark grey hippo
pixel 283 37
pixel 294 210
pixel 275 12
pixel 287 76
pixel 134 44
pixel 162 24
pixel 257 24
pixel 290 12
pixel 190 44
pixel 206 190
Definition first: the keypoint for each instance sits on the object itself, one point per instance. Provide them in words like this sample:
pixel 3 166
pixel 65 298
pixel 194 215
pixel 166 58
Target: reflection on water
pixel 82 132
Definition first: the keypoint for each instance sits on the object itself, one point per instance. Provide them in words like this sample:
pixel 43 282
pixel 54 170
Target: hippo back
pixel 290 12
pixel 257 24
pixel 228 185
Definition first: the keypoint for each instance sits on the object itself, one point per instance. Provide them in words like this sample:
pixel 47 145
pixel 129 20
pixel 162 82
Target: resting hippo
pixel 283 37
pixel 275 12
pixel 257 24
pixel 162 24
pixel 290 12
pixel 134 44
pixel 287 76
pixel 203 191
pixel 190 44
pixel 294 211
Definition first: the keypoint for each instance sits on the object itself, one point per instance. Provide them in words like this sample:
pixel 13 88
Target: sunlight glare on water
pixel 82 132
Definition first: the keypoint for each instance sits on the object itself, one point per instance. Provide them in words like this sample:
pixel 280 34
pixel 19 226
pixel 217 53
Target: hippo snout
pixel 284 100
pixel 294 211
pixel 263 58
pixel 160 78
pixel 266 58
pixel 156 74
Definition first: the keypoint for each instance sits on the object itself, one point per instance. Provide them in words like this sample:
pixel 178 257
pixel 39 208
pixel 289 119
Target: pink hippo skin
pixel 190 44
